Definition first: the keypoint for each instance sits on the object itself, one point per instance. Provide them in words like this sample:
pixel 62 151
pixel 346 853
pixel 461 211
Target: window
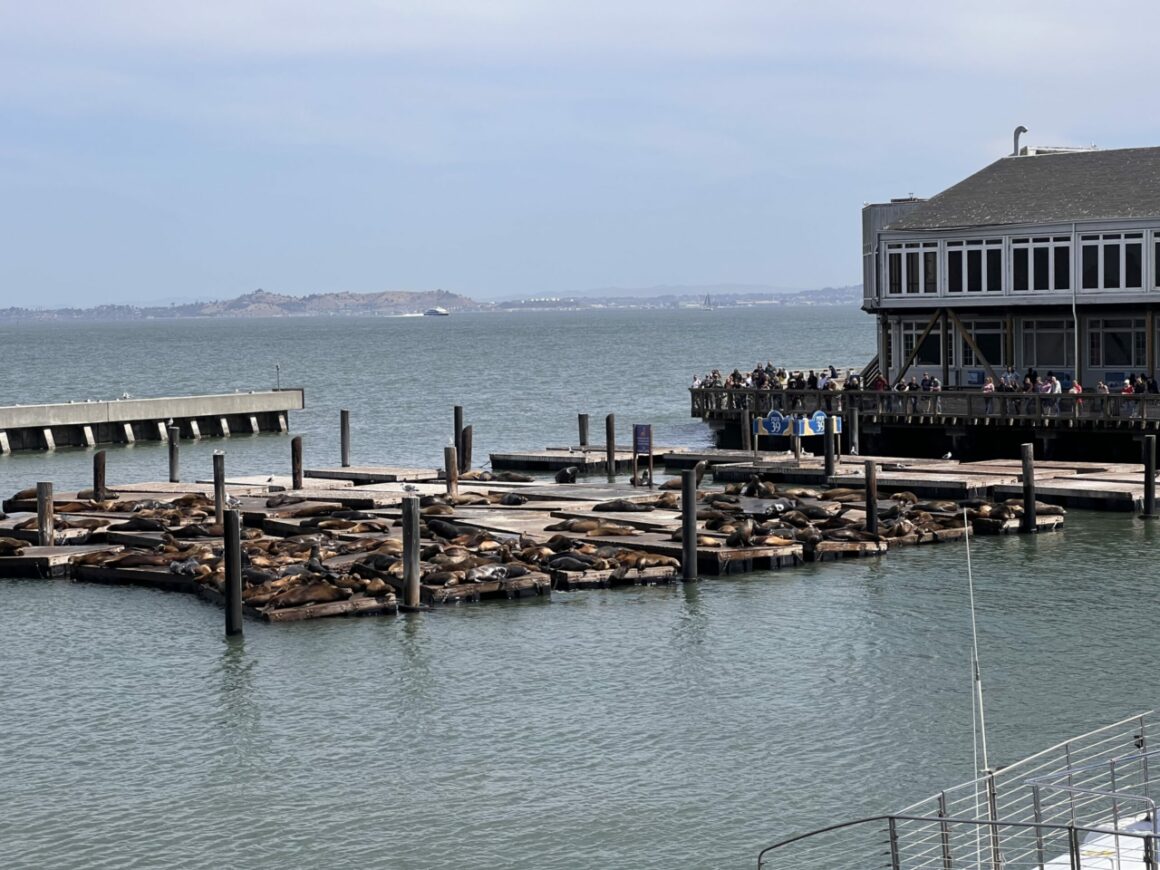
pixel 931 351
pixel 975 265
pixel 988 335
pixel 1156 261
pixel 1117 343
pixel 1113 261
pixel 1048 343
pixel 1041 263
pixel 912 268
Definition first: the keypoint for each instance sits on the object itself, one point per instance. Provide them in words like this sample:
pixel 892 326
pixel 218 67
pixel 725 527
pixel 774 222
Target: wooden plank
pixel 361 474
pixel 609 578
pixel 44 562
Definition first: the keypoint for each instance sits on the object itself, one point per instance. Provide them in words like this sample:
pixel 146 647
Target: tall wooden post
pixel 746 430
pixel 99 476
pixel 174 454
pixel 296 462
pixel 689 524
pixel 45 521
pixel 946 352
pixel 219 486
pixel 610 444
pixel 830 437
pixel 582 420
pixel 344 436
pixel 1149 475
pixel 855 416
pixel 465 449
pixel 233 558
pixel 411 551
pixel 451 470
pixel 1029 523
pixel 457 413
pixel 871 496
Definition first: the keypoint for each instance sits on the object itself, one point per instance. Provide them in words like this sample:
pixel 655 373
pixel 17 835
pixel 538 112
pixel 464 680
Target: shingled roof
pixel 1047 188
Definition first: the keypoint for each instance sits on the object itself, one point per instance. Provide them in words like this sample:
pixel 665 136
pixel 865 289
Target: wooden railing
pixel 731 403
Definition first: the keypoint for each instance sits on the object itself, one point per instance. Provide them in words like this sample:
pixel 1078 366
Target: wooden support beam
pixel 946 350
pixel 918 346
pixel 970 340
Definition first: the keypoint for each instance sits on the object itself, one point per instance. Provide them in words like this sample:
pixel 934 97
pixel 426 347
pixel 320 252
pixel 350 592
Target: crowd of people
pixel 1035 392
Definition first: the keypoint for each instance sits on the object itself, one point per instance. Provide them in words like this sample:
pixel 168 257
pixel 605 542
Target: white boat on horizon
pixel 437 311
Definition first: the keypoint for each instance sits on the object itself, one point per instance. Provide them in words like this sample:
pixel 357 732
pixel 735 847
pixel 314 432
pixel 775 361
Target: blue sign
pixel 642 438
pixel 776 423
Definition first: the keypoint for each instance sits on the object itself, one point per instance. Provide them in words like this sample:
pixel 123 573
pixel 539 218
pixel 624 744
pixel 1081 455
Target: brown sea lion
pixel 317 592
pixel 512 477
pixel 622 505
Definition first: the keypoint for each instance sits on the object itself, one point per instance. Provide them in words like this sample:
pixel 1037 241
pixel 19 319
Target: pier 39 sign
pixel 776 423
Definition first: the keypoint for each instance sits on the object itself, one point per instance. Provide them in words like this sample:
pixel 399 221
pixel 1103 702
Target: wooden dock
pixel 364 474
pixel 589 460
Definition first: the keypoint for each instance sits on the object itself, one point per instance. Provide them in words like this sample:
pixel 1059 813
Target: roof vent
pixel 1018 132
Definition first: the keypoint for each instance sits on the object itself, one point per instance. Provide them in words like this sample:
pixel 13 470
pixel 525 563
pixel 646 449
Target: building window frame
pixel 912 269
pixel 931 353
pixel 1127 335
pixel 1111 261
pixel 1040 264
pixel 1038 334
pixel 993 332
pixel 974 266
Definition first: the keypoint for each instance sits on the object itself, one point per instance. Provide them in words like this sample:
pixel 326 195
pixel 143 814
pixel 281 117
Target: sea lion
pixel 613 531
pixel 282 499
pixel 513 477
pixel 622 505
pixel 567 475
pixel 11 547
pixel 513 499
pixel 668 501
pixel 573 525
pixel 486 573
pixel 317 592
pixel 437 510
pixel 673 483
pixel 138 524
pixel 443 529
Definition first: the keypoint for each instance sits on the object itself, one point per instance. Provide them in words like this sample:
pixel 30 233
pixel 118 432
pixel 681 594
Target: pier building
pixel 1048 258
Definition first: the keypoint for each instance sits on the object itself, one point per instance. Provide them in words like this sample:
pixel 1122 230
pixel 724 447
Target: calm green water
pixel 668 727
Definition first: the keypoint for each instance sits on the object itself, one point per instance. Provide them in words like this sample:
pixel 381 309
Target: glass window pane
pixel 1157 254
pixel 1039 269
pixel 1019 261
pixel 1133 264
pixel 1049 347
pixel 930 272
pixel 1094 348
pixel 1028 346
pixel 1140 352
pixel 1118 349
pixel 974 271
pixel 931 351
pixel 1091 267
pixel 912 272
pixel 895 273
pixel 955 271
pixel 991 344
pixel 994 271
pixel 1111 269
pixel 1063 267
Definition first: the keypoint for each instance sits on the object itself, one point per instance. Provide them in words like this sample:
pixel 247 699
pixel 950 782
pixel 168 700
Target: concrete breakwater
pixel 126 420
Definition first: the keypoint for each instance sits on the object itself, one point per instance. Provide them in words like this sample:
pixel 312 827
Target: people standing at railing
pixel 936 395
pixel 1028 392
pixel 1055 389
pixel 1076 390
pixel 1128 406
pixel 1101 402
pixel 989 394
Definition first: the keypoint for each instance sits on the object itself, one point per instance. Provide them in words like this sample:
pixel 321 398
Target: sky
pixel 152 152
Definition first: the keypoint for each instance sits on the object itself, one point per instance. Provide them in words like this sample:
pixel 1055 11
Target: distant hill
pixel 262 303
pixel 713 296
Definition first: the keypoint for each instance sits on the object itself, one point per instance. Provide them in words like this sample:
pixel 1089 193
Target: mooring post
pixel 296 462
pixel 411 551
pixel 45 523
pixel 871 496
pixel 1149 475
pixel 451 470
pixel 1028 523
pixel 829 437
pixel 465 449
pixel 174 454
pixel 99 475
pixel 233 556
pixel 746 430
pixel 689 524
pixel 219 486
pixel 610 444
pixel 344 435
pixel 795 442
pixel 458 427
pixel 855 426
pixel 582 421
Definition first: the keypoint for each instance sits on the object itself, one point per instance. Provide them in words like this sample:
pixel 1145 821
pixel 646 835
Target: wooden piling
pixel 1149 475
pixel 746 430
pixel 451 469
pixel 457 412
pixel 795 442
pixel 45 522
pixel 296 462
pixel 344 435
pixel 174 455
pixel 689 524
pixel 411 551
pixel 99 475
pixel 465 449
pixel 233 559
pixel 1028 523
pixel 855 416
pixel 582 421
pixel 871 496
pixel 829 437
pixel 610 444
pixel 219 486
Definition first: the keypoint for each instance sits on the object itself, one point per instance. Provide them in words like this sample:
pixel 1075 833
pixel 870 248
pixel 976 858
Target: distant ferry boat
pixel 436 312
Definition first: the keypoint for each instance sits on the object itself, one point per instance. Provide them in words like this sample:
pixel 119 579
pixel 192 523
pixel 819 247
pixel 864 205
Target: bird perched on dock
pixel 410 487
pixel 947 455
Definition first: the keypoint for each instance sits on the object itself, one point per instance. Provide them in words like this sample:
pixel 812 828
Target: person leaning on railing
pixel 989 393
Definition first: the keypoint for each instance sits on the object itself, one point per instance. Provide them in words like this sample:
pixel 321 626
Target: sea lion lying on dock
pixel 567 475
pixel 12 546
pixel 622 505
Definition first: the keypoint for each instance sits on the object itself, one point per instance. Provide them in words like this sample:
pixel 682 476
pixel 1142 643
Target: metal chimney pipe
pixel 1018 131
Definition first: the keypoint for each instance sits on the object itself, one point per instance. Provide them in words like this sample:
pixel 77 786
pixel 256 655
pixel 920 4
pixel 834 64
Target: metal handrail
pixel 1072 832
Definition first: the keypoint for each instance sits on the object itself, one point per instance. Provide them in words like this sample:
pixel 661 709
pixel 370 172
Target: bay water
pixel 683 726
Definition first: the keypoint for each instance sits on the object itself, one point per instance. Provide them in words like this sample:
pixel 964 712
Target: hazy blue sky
pixel 153 150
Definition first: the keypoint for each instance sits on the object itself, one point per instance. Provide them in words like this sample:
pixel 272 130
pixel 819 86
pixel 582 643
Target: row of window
pixel 1111 343
pixel 1108 261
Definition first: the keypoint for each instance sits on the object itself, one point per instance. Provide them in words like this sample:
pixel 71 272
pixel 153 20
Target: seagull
pixel 410 487
pixel 947 455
